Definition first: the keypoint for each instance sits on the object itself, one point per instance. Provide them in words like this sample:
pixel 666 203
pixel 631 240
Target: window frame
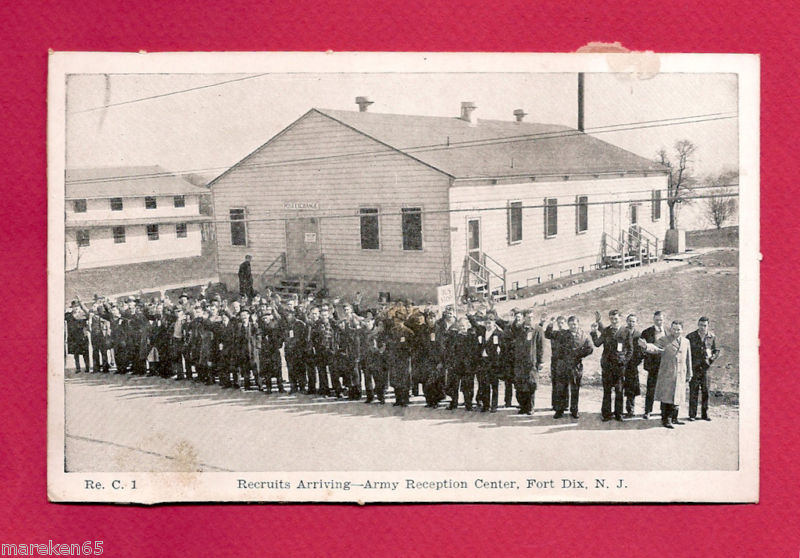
pixel 116 237
pixel 511 206
pixel 656 201
pixel 547 208
pixel 80 203
pixel 410 210
pixel 111 204
pixel 578 206
pixel 147 201
pixel 239 222
pixel 182 199
pixel 150 235
pixel 83 238
pixel 377 216
pixel 185 230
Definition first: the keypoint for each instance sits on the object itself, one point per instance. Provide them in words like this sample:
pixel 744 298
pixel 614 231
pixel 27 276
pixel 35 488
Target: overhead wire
pixel 432 147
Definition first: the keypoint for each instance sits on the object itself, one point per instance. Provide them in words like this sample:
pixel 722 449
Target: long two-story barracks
pixel 382 203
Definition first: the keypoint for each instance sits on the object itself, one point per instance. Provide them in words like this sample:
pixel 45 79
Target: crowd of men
pixel 333 348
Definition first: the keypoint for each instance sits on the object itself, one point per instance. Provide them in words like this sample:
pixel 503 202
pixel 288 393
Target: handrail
pixel 281 261
pixel 484 269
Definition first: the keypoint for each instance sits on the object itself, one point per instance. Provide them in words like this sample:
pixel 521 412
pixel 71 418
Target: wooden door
pixel 474 246
pixel 302 244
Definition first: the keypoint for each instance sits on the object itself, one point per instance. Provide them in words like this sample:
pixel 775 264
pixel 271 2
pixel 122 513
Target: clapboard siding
pixel 386 179
pixel 567 252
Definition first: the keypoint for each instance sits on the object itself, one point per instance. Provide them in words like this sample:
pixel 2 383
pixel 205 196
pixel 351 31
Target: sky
pixel 207 130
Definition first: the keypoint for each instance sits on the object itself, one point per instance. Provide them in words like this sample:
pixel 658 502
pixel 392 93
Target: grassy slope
pixel 709 287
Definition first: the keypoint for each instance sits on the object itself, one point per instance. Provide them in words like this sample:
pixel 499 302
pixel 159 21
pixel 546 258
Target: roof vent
pixel 363 103
pixel 520 114
pixel 468 113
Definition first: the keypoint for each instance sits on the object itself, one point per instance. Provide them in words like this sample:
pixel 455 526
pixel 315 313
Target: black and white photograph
pixel 377 277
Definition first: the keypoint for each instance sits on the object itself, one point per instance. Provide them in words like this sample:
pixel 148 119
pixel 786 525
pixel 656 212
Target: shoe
pixel 396 404
pixel 467 407
pixel 529 413
pixel 691 419
pixel 667 425
pixel 646 416
pixel 484 409
pixel 493 410
pixel 678 422
pixel 606 419
pixel 707 418
pixel 629 414
pixel 618 418
pixel 558 414
pixel 520 412
pixel 575 415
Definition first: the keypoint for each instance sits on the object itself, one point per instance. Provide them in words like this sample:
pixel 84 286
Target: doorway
pixel 302 244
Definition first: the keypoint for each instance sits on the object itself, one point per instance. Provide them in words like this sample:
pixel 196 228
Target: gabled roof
pixel 127 182
pixel 494 148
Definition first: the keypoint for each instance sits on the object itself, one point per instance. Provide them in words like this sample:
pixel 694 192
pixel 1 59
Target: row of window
pixel 411 222
pixel 581 216
pixel 83 236
pixel 150 202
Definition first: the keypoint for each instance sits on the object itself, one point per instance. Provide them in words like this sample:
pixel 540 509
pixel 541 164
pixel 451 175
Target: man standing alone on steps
pixel 246 278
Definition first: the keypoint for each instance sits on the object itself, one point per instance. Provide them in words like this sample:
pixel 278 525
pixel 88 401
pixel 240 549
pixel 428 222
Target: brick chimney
pixel 363 103
pixel 580 101
pixel 520 114
pixel 468 113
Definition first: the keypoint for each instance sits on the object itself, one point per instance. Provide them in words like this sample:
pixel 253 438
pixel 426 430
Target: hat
pixel 217 297
pixel 183 295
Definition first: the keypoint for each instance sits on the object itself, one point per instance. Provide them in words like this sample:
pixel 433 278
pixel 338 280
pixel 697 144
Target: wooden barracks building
pixel 362 201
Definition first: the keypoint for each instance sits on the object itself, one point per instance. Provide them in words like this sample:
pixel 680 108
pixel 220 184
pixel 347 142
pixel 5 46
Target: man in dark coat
pixel 617 343
pixel 652 361
pixel 246 278
pixel 574 346
pixel 78 333
pixel 271 343
pixel 704 349
pixel 630 383
pixel 295 336
pixel 246 348
pixel 527 346
pixel 462 364
pixel 373 361
pixel 552 333
pixel 490 361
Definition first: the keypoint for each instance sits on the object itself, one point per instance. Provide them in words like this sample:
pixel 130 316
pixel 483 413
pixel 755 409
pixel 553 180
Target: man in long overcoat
pixel 527 345
pixel 674 371
pixel 652 361
pixel 574 345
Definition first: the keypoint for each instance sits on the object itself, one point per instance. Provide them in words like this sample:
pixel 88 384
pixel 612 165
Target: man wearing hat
pixel 527 345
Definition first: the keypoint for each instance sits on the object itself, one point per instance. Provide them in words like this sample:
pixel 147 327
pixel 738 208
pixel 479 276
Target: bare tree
pixel 680 180
pixel 720 205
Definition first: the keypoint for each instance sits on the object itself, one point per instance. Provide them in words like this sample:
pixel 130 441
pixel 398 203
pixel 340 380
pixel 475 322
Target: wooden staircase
pixel 630 248
pixel 310 281
pixel 484 278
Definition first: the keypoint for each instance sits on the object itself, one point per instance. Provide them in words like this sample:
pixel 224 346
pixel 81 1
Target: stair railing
pixel 277 267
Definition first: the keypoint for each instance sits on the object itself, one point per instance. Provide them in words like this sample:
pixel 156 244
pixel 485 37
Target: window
pixel 180 230
pixel 79 206
pixel 370 229
pixel 634 214
pixel 582 214
pixel 152 232
pixel 119 235
pixel 656 205
pixel 238 227
pixel 179 201
pixel 550 217
pixel 82 236
pixel 514 222
pixel 412 228
pixel 116 204
pixel 150 202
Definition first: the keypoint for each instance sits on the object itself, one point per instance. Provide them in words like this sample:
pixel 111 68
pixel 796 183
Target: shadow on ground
pixel 170 391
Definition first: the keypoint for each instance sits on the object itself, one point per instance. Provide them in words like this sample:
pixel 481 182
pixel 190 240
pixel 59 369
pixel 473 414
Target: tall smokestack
pixel 363 103
pixel 520 114
pixel 580 102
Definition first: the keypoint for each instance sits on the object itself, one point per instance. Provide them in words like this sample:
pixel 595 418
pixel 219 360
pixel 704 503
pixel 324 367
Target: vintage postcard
pixel 403 277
